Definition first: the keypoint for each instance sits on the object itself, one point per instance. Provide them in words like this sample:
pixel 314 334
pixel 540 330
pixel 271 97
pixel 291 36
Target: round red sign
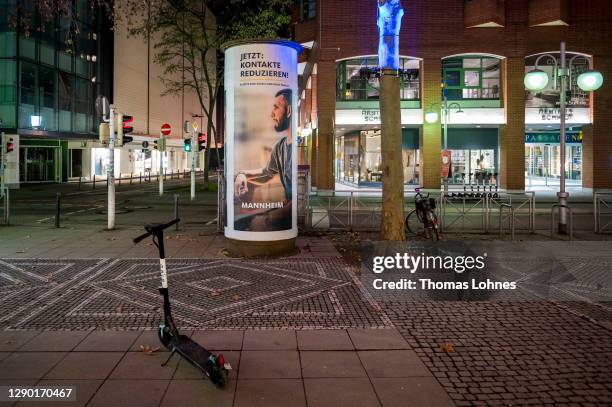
pixel 166 129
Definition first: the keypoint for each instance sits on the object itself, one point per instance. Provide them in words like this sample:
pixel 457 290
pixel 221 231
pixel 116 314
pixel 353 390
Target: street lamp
pixel 431 117
pixel 588 81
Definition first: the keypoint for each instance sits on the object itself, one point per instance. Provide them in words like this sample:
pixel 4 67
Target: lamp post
pixel 588 81
pixel 431 116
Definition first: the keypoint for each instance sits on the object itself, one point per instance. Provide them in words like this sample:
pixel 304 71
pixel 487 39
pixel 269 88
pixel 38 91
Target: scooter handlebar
pixel 151 229
pixel 141 237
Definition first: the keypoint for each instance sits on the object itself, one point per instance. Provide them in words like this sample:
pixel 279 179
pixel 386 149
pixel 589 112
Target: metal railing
pixel 523 208
pixel 135 178
pixel 570 223
pixel 511 220
pixel 473 212
pixel 602 211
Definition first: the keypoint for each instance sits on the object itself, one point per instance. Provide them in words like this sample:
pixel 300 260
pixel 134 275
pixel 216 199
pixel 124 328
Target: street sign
pixel 166 129
pixel 145 144
pixel 194 125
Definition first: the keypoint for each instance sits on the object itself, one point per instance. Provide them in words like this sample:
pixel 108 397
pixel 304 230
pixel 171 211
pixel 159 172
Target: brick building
pixel 464 60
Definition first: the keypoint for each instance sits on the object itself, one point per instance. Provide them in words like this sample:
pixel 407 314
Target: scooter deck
pixel 192 351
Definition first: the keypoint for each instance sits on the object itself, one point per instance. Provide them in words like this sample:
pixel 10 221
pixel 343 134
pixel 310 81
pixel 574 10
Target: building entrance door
pixel 39 164
pixel 542 162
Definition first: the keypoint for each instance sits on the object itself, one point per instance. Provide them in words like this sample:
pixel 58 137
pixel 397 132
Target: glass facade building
pixel 51 71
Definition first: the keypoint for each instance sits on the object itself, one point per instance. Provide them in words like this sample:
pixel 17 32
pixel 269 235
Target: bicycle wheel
pixel 434 227
pixel 413 223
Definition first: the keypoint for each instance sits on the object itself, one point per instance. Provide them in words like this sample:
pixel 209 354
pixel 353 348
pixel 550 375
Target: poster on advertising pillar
pixel 261 116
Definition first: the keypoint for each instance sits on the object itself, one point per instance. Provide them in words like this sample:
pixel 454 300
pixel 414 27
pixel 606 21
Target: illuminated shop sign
pixel 372 116
pixel 552 138
pixel 551 115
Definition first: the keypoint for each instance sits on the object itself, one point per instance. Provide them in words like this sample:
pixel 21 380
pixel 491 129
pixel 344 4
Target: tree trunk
pixel 392 227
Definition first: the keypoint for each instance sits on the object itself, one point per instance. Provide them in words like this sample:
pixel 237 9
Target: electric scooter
pixel 213 366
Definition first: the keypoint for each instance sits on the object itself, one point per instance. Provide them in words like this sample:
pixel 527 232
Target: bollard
pixel 119 179
pixel 5 207
pixel 141 177
pixel 176 210
pixel 94 182
pixel 57 209
pixel 131 176
pixel 79 183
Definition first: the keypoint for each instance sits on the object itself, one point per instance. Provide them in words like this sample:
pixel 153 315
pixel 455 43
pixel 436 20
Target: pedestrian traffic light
pixel 123 128
pixel 201 141
pixel 160 144
pixel 187 145
pixel 9 145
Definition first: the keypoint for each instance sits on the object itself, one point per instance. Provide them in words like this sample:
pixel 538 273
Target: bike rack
pixel 511 219
pixel 464 206
pixel 571 220
pixel 511 198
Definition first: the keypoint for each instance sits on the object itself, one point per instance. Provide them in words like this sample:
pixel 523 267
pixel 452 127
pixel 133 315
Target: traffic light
pixel 201 141
pixel 123 128
pixel 9 145
pixel 187 145
pixel 160 144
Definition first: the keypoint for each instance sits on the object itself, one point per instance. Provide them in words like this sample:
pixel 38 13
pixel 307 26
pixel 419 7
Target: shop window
pixel 471 78
pixel 81 106
pixel 8 92
pixel 47 97
pixel 550 96
pixel 65 94
pixel 357 79
pixel 308 9
pixel 47 43
pixel 28 82
pixel 66 45
pixel 8 42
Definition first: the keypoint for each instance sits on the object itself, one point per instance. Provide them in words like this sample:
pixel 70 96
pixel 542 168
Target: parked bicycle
pixel 422 220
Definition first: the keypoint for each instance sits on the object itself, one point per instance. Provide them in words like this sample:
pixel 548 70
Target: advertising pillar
pixel 261 145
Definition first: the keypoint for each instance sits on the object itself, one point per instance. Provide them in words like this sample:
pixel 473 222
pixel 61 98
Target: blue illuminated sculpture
pixel 390 13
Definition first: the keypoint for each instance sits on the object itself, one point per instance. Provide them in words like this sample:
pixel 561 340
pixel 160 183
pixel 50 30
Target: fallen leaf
pixel 235 297
pixel 119 308
pixel 148 350
pixel 214 293
pixel 447 347
pixel 49 276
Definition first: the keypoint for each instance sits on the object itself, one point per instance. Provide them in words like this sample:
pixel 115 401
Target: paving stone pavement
pixel 509 353
pixel 300 331
pixel 271 368
pixel 80 294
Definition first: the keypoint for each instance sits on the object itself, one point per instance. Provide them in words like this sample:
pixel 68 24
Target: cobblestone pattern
pixel 122 294
pixel 509 353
